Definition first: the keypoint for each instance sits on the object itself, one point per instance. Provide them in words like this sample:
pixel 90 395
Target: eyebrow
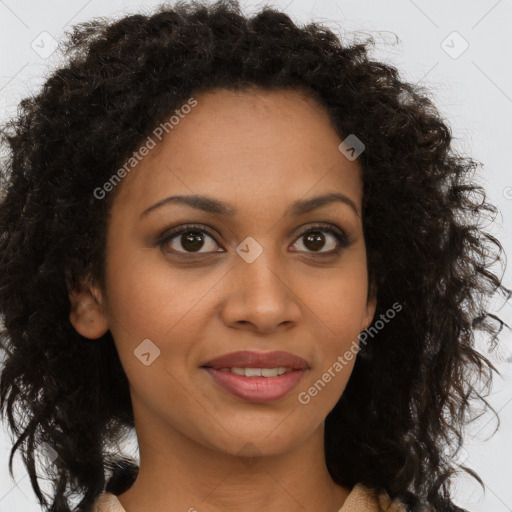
pixel 214 206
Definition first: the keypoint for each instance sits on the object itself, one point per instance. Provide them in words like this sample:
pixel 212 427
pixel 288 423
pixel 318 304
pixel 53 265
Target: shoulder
pixel 366 499
pixel 107 502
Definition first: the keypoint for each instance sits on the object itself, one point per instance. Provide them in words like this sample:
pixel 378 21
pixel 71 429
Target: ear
pixel 86 314
pixel 371 306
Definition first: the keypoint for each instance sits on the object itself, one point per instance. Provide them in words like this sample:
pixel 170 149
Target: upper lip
pixel 251 359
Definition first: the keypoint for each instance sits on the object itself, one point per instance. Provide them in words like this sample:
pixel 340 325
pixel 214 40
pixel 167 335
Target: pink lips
pixel 257 389
pixel 251 359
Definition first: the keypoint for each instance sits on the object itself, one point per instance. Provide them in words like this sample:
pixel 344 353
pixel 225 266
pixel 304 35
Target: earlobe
pixel 86 313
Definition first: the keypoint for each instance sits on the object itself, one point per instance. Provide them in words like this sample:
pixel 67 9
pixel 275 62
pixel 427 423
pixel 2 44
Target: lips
pixel 227 372
pixel 252 359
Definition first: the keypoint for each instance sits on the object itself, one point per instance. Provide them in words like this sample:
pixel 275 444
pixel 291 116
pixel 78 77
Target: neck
pixel 176 469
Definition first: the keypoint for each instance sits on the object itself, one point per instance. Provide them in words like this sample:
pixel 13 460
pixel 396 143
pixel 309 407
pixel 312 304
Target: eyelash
pixel 342 238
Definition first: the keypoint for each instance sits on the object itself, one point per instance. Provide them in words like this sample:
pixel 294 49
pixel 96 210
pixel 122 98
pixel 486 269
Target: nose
pixel 260 297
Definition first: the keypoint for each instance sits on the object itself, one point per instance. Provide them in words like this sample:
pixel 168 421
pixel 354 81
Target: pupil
pixel 314 241
pixel 192 241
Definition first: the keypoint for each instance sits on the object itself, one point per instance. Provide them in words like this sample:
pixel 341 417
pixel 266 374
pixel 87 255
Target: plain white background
pixel 460 50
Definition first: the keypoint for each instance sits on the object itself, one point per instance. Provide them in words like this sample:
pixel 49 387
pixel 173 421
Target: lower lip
pixel 257 389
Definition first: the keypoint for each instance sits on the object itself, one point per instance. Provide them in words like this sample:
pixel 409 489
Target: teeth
pixel 258 372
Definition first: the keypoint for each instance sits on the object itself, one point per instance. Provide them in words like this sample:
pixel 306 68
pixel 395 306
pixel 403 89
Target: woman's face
pixel 258 274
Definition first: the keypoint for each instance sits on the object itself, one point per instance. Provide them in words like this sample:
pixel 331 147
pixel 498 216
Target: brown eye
pixel 189 240
pixel 198 240
pixel 314 240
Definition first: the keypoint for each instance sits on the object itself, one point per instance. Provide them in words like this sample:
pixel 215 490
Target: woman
pixel 256 247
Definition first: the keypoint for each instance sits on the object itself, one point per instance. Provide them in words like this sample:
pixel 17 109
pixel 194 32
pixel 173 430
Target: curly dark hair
pixel 422 217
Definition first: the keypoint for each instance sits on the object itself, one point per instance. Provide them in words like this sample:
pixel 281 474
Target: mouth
pixel 257 372
pixel 258 361
pixel 255 376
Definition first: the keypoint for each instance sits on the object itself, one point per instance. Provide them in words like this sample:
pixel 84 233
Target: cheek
pixel 150 298
pixel 338 315
pixel 339 304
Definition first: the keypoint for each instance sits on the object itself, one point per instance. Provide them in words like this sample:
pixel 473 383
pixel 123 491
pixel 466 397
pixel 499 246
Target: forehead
pixel 271 144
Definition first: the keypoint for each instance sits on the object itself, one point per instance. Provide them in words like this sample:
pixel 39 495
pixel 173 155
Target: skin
pixel 259 151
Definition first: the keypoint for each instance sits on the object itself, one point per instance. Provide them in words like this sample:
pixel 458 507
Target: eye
pixel 191 238
pixel 314 240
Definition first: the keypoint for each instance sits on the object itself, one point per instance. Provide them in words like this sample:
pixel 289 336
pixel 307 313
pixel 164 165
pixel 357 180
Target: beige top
pixel 361 499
